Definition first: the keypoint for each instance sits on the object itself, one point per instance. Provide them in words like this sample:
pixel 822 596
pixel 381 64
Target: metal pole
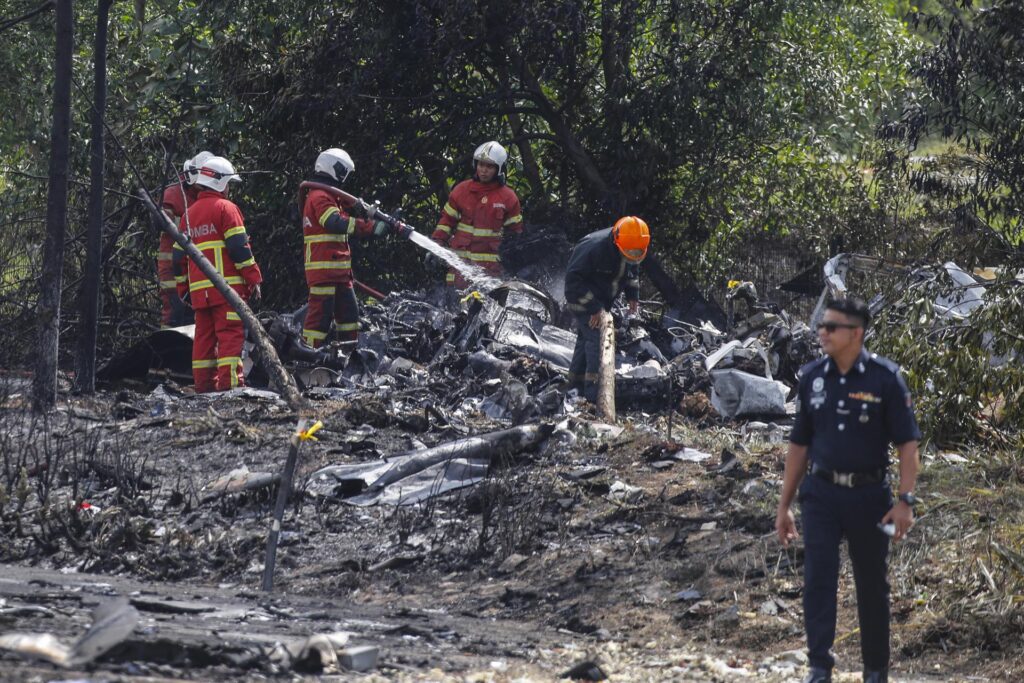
pixel 283 491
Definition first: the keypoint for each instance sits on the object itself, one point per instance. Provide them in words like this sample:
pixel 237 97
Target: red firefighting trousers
pixel 217 349
pixel 331 302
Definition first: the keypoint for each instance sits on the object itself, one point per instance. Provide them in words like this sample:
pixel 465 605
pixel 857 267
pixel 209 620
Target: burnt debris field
pixel 460 516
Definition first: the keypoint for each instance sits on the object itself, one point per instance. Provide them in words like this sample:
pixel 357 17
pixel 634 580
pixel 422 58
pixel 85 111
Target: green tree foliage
pixel 957 147
pixel 972 99
pixel 710 119
pixel 714 120
pixel 965 372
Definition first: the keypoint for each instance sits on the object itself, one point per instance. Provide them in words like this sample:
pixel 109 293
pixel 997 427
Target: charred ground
pixel 599 546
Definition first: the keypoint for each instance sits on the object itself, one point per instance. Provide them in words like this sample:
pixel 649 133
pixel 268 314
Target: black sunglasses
pixel 831 327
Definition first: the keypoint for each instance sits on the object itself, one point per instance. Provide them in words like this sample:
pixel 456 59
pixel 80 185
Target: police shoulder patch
pixel 885 363
pixel 809 368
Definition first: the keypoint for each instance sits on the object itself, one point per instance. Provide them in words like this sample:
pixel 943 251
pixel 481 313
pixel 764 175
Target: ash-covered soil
pixel 615 547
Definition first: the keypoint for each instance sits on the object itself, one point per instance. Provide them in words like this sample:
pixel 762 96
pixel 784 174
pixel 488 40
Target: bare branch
pixel 14 21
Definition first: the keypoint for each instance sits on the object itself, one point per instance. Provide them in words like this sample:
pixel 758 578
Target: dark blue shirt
pixel 848 421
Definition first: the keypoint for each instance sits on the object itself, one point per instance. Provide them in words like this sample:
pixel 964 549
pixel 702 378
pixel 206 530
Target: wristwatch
pixel 908 498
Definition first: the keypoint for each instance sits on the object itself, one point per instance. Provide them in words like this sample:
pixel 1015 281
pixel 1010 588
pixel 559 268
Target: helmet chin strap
pixel 326 179
pixel 499 176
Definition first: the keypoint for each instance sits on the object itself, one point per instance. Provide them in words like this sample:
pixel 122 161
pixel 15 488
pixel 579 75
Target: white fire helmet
pixel 335 163
pixel 192 166
pixel 216 173
pixel 492 153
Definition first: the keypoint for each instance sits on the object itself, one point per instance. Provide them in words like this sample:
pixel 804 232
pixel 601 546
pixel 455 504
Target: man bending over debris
pixel 851 405
pixel 327 225
pixel 478 213
pixel 215 225
pixel 601 265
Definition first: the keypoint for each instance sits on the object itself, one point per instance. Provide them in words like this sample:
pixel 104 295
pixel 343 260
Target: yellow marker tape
pixel 308 434
pixel 473 295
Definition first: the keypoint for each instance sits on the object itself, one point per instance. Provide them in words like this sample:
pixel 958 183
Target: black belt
pixel 849 479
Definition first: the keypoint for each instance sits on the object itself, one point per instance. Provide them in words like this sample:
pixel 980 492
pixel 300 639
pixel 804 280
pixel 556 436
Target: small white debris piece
pixel 359 658
pixel 43 646
pixel 623 492
pixel 691 455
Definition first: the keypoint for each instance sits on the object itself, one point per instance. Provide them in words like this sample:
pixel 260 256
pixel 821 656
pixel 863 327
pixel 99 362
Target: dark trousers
pixel 327 303
pixel 829 513
pixel 586 358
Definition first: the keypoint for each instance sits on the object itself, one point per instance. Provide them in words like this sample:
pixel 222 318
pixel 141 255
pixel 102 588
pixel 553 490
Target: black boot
pixel 876 676
pixel 818 675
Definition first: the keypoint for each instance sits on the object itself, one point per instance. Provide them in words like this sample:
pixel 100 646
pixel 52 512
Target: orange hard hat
pixel 632 237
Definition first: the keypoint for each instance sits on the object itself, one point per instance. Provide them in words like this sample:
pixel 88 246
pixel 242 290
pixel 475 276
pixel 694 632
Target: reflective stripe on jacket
pixel 215 225
pixel 597 273
pixel 475 218
pixel 326 253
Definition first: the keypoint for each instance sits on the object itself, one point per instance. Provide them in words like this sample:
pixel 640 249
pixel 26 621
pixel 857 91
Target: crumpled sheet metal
pixel 112 622
pixel 417 476
pixel 544 342
pixel 967 296
pixel 434 480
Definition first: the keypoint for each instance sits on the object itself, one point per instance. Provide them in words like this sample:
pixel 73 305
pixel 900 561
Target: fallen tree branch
pixel 14 21
pixel 282 379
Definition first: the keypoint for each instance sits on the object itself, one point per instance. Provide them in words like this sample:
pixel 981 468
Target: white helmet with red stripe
pixel 216 173
pixel 192 166
pixel 335 163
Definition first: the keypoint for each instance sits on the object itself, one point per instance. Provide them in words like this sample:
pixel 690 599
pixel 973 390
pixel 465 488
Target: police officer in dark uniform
pixel 852 405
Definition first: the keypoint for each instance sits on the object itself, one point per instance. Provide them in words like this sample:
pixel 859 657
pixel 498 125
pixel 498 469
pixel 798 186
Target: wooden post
pixel 606 373
pixel 282 378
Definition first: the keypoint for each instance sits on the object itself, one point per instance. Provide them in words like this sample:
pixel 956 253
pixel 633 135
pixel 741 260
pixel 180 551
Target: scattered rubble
pixel 462 516
pixel 112 622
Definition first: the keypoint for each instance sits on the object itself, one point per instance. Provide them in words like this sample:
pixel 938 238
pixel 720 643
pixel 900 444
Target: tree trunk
pixel 281 378
pixel 44 383
pixel 618 26
pixel 606 371
pixel 530 166
pixel 89 296
pixel 589 173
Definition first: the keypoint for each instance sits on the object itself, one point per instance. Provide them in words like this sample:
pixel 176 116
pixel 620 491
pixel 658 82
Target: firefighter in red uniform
pixel 478 214
pixel 175 198
pixel 327 226
pixel 215 225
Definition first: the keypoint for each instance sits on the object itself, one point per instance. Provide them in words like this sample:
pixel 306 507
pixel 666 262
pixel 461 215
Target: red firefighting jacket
pixel 217 228
pixel 327 254
pixel 174 200
pixel 473 221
